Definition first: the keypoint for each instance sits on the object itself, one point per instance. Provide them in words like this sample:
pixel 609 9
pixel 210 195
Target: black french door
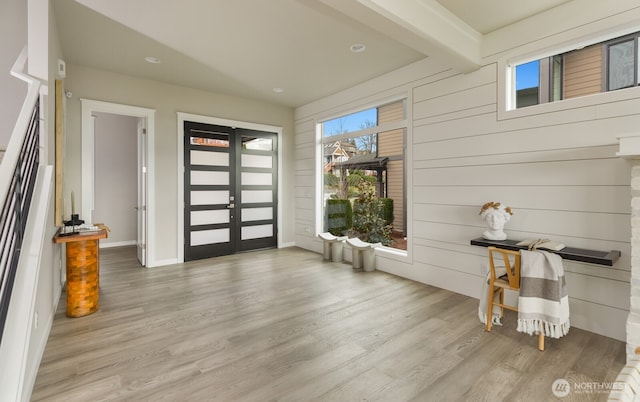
pixel 230 190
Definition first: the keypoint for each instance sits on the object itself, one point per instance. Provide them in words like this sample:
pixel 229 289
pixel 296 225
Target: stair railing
pixel 18 171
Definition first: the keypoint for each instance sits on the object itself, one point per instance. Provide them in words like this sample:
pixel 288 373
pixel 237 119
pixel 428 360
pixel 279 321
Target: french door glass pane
pixel 221 142
pixel 257 144
pixel 209 197
pixel 208 158
pixel 256 196
pixel 256 232
pixel 256 179
pixel 209 217
pixel 200 237
pixel 257 214
pixel 257 161
pixel 204 178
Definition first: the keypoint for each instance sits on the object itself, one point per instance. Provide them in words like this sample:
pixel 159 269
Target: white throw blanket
pixel 543 303
pixel 484 295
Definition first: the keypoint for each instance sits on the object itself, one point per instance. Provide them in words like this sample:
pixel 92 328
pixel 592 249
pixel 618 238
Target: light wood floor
pixel 284 325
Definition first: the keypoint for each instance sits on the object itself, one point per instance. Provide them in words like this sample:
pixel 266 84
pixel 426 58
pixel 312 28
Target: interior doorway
pixel 115 162
pixel 144 181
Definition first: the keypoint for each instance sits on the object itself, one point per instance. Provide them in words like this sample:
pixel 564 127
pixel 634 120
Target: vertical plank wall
pixel 554 165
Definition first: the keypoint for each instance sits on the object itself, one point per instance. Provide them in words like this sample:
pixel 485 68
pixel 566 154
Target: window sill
pixel 568 104
pixel 392 253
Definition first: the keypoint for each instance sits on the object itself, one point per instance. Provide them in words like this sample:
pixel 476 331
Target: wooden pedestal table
pixel 83 271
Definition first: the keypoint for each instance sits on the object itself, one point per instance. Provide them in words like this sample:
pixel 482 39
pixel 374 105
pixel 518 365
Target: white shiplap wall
pixel 557 171
pixel 554 165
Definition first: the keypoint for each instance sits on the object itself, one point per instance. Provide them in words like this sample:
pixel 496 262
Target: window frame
pixel 386 251
pixel 606 60
pixel 506 65
pixel 546 82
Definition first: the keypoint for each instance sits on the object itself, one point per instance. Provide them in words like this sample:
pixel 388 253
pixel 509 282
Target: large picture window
pixel 364 175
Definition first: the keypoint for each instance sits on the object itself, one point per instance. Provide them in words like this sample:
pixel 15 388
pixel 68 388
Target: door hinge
pixel 144 131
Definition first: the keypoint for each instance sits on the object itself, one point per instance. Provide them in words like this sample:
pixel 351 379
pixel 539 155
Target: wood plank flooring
pixel 282 325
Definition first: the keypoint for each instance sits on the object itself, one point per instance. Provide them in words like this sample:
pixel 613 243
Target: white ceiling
pixel 248 47
pixel 490 15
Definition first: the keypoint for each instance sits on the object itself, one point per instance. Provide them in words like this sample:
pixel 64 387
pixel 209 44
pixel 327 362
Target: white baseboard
pixel 117 244
pixel 38 351
pixel 160 263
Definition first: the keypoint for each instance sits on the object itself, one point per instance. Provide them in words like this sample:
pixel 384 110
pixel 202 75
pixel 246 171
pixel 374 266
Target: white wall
pixel 115 169
pixel 13 31
pixel 49 286
pixel 167 100
pixel 45 264
pixel 553 164
pixel 39 19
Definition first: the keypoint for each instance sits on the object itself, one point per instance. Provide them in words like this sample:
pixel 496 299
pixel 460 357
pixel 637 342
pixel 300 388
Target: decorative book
pixel 541 243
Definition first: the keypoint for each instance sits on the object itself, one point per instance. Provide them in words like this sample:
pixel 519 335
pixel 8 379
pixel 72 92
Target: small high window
pixel 601 67
pixel 528 84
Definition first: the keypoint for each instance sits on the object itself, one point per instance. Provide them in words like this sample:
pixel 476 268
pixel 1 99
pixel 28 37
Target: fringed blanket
pixel 543 304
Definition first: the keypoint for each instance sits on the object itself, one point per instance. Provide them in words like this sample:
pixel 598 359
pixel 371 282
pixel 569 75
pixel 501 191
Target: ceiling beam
pixel 423 25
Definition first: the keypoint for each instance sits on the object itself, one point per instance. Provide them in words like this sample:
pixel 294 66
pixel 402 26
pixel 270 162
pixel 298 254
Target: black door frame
pixel 236 149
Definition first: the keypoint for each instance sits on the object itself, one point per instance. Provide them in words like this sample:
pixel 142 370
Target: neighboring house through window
pixel 601 67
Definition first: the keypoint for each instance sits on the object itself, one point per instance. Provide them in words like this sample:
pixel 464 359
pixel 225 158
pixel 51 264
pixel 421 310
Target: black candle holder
pixel 73 222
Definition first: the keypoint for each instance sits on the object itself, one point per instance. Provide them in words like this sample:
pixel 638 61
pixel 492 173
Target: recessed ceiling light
pixel 278 90
pixel 152 60
pixel 358 48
